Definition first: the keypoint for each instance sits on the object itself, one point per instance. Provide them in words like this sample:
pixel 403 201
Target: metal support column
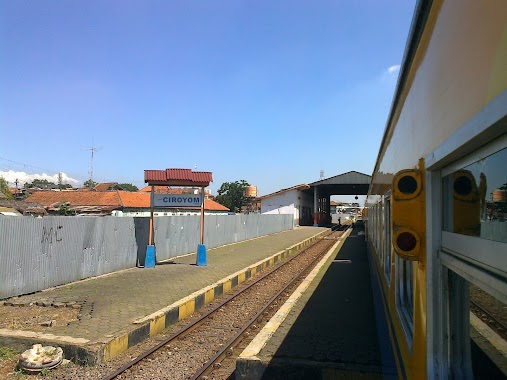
pixel 315 207
pixel 201 248
pixel 149 261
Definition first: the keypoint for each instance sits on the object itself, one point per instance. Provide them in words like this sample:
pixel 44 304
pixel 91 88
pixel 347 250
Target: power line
pixel 27 166
pixel 7 164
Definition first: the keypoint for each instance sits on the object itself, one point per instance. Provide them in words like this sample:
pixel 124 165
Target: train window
pixel 387 241
pixel 379 230
pixel 374 225
pixel 405 296
pixel 476 198
pixel 375 228
pixel 474 217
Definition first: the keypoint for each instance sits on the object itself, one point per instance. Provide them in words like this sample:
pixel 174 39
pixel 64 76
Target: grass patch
pixel 7 353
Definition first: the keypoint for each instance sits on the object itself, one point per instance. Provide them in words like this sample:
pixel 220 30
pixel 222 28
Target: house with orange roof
pixel 115 203
pixel 138 204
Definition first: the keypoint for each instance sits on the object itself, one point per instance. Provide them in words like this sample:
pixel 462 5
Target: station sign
pixel 177 200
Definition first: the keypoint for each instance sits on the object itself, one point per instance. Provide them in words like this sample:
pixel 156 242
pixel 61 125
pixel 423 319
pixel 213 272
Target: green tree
pixel 128 187
pixel 232 195
pixel 40 183
pixel 4 188
pixel 64 209
pixel 89 183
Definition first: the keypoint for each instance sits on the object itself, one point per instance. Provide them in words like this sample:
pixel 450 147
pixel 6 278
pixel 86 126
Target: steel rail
pixel 220 355
pixel 193 325
pixel 490 314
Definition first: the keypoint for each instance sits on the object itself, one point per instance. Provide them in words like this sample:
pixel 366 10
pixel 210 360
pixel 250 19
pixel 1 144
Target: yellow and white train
pixel 436 209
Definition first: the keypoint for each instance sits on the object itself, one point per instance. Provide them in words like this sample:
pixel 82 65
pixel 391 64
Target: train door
pixel 467 246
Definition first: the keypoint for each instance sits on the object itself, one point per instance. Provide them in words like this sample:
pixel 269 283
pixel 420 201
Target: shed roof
pixel 177 177
pixel 298 187
pixel 348 178
pixel 350 183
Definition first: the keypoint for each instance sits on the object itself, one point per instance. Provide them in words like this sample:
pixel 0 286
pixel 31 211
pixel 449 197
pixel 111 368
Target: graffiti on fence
pixel 49 233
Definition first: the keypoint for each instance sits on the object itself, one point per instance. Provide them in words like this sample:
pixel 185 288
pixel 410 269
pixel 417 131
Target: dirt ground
pixel 29 318
pixel 36 318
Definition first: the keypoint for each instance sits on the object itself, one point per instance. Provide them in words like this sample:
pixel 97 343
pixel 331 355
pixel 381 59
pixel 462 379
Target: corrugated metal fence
pixel 36 254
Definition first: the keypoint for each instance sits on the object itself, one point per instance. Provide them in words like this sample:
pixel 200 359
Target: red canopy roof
pixel 177 177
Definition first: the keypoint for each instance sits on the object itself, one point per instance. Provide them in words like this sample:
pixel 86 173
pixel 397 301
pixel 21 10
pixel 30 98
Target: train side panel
pixel 455 65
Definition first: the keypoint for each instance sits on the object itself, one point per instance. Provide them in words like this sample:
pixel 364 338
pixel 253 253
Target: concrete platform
pixel 121 309
pixel 329 328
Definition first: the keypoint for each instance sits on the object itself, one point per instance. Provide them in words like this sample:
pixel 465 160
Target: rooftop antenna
pixel 321 175
pixel 93 150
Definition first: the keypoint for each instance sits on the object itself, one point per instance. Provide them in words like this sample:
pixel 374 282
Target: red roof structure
pixel 177 177
pixel 167 190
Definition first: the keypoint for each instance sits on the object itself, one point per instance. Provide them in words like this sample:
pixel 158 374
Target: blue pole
pixel 201 248
pixel 149 261
pixel 201 255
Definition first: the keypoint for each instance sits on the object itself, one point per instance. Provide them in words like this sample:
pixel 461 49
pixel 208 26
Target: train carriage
pixel 437 211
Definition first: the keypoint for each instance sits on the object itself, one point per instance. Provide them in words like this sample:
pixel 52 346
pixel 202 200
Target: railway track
pixel 206 347
pixel 489 309
pixel 491 317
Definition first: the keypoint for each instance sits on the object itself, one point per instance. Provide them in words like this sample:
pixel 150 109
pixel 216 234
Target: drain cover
pixel 39 357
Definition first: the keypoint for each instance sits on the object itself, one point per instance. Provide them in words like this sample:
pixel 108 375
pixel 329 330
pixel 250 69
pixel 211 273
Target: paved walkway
pixel 120 309
pixel 331 331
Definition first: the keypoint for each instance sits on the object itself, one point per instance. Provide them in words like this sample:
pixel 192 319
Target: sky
pixel 271 92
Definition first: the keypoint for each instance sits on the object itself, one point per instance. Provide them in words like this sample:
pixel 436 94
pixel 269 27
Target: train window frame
pixel 483 135
pixel 404 295
pixel 388 248
pixel 379 228
pixel 374 225
pixel 374 228
pixel 377 231
pixel 480 135
pixel 472 257
pixel 380 224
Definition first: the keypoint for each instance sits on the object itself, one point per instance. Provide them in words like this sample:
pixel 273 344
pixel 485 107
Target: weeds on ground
pixel 44 372
pixel 19 372
pixel 7 353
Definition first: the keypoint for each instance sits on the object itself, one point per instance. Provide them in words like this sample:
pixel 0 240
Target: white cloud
pixel 11 176
pixel 393 69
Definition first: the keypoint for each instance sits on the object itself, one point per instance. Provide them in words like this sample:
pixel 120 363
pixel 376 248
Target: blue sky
pixel 271 92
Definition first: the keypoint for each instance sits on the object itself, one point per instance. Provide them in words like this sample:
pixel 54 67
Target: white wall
pixel 165 212
pixel 283 203
pixel 289 202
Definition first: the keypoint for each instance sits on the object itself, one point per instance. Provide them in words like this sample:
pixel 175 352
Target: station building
pixel 311 203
